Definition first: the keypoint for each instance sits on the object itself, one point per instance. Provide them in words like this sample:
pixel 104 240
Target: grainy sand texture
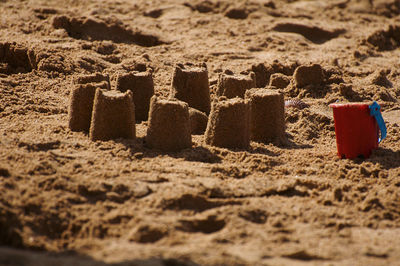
pixel 68 200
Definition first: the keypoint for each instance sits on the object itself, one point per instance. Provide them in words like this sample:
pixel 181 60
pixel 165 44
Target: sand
pixel 67 200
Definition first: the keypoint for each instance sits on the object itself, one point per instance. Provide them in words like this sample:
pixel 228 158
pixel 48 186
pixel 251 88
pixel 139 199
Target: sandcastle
pixel 113 116
pixel 169 125
pixel 81 100
pixel 229 124
pixel 230 85
pixel 190 84
pixel 267 123
pixel 256 114
pixel 142 86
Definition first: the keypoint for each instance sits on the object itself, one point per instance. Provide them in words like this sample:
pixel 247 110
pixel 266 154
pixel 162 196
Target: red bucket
pixel 357 131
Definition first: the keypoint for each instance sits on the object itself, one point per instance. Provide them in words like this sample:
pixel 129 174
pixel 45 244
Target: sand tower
pixel 229 124
pixel 142 86
pixel 198 121
pixel 279 80
pixel 267 123
pixel 230 85
pixel 94 78
pixel 190 84
pixel 169 125
pixel 113 116
pixel 308 75
pixel 81 100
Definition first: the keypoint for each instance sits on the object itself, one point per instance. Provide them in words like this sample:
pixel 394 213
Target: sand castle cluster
pixel 240 112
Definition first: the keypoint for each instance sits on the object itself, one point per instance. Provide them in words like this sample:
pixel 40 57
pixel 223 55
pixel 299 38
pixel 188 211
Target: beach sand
pixel 67 200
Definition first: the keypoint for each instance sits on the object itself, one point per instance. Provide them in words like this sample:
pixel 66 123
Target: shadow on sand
pixel 16 257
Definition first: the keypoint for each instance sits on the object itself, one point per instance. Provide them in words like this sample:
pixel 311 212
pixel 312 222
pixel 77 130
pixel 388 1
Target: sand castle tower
pixel 113 116
pixel 230 85
pixel 169 125
pixel 142 86
pixel 267 123
pixel 97 78
pixel 229 124
pixel 198 121
pixel 308 75
pixel 81 100
pixel 190 84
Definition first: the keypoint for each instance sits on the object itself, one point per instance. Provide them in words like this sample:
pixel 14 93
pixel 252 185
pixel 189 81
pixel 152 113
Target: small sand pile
pixel 306 125
pixel 379 77
pixel 346 90
pixel 385 40
pixel 310 81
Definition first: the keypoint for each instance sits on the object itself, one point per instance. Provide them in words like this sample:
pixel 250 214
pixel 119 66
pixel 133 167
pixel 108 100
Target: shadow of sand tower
pixel 267 117
pixel 190 84
pixel 169 125
pixel 113 116
pixel 142 86
pixel 81 100
pixel 228 124
pixel 231 86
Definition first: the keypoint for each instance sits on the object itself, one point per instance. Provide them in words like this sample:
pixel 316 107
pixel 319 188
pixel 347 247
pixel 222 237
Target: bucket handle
pixel 375 111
